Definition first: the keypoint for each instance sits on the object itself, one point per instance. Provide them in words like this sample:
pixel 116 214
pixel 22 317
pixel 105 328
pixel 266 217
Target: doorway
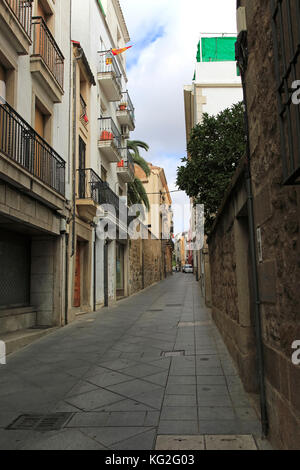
pixel 77 281
pixel 120 270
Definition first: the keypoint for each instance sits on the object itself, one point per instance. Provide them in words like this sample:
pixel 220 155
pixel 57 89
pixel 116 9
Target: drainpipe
pixel 77 58
pixel 67 279
pixel 95 272
pixel 106 244
pixel 242 60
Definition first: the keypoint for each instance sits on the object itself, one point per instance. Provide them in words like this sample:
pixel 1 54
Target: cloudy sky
pixel 165 35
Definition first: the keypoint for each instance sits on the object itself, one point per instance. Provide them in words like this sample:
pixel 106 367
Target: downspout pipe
pixel 75 60
pixel 242 60
pixel 95 271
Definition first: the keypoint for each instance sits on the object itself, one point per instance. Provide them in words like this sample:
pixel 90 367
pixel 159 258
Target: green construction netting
pixel 218 49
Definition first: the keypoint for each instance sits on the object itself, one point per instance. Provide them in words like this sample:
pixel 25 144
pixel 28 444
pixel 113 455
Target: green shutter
pixel 219 49
pixel 199 52
pixel 101 7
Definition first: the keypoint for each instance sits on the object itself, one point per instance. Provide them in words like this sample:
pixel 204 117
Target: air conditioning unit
pixel 125 132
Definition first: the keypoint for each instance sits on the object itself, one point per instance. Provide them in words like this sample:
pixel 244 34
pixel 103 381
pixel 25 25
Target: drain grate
pixel 42 423
pixel 172 353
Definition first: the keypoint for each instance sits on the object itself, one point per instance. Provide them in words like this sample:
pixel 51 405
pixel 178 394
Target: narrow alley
pixel 150 373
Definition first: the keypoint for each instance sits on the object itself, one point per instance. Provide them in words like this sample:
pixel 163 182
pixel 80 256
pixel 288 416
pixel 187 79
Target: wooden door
pixel 77 282
pixel 39 160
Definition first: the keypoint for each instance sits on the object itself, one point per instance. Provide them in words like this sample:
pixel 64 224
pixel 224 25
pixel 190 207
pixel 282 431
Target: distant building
pixel 159 219
pixel 216 86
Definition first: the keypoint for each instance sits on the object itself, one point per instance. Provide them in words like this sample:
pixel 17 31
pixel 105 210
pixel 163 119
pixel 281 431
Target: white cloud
pixel 163 67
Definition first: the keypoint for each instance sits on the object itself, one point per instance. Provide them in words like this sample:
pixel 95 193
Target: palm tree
pixel 136 193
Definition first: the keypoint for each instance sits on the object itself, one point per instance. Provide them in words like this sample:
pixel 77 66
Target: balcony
pixel 92 193
pixel 15 23
pixel 125 168
pixel 125 112
pixel 109 140
pixel 83 113
pixel 27 161
pixel 47 61
pixel 109 76
pixel 89 186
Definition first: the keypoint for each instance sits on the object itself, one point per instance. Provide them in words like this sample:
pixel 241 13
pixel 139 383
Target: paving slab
pixel 107 369
pixel 230 442
pixel 180 443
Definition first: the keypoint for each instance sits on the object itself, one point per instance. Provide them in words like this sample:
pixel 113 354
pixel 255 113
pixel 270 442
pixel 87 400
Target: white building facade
pixel 104 117
pixel 34 166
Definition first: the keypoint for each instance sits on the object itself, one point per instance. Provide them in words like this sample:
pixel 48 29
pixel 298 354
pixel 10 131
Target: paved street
pixel 117 375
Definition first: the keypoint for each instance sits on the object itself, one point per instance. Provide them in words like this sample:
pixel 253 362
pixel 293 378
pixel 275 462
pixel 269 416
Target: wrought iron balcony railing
pixel 108 64
pixel 126 104
pixel 44 46
pixel 22 9
pixel 91 186
pixel 23 145
pixel 83 112
pixel 127 160
pixel 109 131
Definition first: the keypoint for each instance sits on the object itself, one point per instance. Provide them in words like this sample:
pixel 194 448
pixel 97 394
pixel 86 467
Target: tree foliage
pixel 136 193
pixel 215 148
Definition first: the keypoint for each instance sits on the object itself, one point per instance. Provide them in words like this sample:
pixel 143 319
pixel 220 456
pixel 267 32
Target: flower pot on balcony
pixel 106 135
pixel 123 106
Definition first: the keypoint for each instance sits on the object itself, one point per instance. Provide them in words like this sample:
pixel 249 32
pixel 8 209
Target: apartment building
pixel 159 218
pixel 34 166
pixel 102 116
pixel 216 86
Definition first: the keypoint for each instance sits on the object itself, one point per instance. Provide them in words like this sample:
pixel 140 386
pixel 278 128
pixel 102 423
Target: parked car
pixel 187 268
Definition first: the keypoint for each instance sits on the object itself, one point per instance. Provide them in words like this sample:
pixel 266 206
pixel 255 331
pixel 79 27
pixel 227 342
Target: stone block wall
pixel 231 280
pixel 277 213
pixel 146 265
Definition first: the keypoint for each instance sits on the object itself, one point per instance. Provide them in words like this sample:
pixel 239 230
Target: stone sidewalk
pixel 151 372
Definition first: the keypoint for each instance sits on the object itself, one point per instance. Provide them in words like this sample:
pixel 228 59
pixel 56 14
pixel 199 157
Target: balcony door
pixel 81 167
pixel 2 82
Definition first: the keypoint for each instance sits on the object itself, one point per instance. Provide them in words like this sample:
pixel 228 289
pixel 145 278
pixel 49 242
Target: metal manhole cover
pixel 42 423
pixel 172 353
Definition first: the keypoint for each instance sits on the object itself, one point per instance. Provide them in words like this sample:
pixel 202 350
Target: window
pixel 2 82
pixel 7 81
pixel 286 37
pixel 42 121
